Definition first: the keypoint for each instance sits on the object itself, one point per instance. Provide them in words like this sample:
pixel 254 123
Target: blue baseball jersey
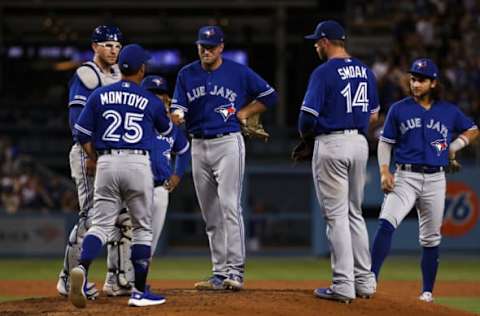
pixel 422 136
pixel 211 99
pixel 341 93
pixel 162 149
pixel 123 116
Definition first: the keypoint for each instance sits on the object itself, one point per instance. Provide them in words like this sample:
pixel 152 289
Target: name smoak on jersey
pixel 416 122
pixel 200 91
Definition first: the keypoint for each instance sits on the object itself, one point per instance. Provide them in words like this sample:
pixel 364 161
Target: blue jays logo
pixel 421 64
pixel 167 154
pixel 226 110
pixel 440 145
pixel 157 82
pixel 209 33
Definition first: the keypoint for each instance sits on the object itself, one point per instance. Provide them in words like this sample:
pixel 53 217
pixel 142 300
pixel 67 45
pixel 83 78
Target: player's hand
pixel 387 180
pixel 91 166
pixel 177 117
pixel 242 116
pixel 172 183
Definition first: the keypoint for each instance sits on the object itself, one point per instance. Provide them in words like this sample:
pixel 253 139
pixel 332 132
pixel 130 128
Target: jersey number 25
pixel 360 97
pixel 133 130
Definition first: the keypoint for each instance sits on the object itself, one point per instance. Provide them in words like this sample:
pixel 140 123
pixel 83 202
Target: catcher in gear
pixel 420 130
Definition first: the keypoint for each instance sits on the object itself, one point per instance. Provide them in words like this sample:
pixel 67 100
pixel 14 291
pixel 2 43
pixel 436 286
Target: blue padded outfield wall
pixel 281 213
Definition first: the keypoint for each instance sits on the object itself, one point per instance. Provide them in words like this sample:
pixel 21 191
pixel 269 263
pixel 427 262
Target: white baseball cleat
pixel 76 293
pixel 426 297
pixel 116 290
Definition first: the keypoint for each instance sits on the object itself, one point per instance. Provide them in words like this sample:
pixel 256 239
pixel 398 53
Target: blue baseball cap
pixel 329 29
pixel 132 57
pixel 424 67
pixel 210 35
pixel 155 84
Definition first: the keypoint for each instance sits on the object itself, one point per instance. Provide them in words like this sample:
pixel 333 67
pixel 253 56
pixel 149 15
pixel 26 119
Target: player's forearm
pixel 373 117
pixel 250 109
pixel 306 124
pixel 384 153
pixel 462 141
pixel 181 163
pixel 90 150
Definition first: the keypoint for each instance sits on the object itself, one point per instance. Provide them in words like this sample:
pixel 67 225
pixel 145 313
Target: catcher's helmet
pixel 104 33
pixel 424 67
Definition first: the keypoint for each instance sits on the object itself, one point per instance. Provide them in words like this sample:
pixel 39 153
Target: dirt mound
pixel 260 298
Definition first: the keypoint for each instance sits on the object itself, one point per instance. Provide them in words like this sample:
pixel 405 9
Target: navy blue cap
pixel 210 35
pixel 424 67
pixel 329 29
pixel 105 33
pixel 155 84
pixel 132 57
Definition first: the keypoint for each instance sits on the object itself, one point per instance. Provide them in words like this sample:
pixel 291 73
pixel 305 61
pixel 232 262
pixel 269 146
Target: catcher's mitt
pixel 453 166
pixel 304 150
pixel 252 127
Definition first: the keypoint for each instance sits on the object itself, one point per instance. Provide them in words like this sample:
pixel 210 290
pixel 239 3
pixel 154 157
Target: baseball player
pixel 340 100
pixel 210 96
pixel 101 71
pixel 118 126
pixel 420 130
pixel 165 179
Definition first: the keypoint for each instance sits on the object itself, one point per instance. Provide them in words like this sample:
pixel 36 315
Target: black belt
pixel 342 131
pixel 202 136
pixel 122 151
pixel 420 168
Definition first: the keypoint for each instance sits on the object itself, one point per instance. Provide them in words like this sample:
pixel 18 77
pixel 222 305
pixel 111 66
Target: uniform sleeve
pixel 179 100
pixel 463 122
pixel 181 144
pixel 85 124
pixel 389 133
pixel 162 123
pixel 315 95
pixel 181 147
pixel 259 89
pixel 373 100
pixel 78 93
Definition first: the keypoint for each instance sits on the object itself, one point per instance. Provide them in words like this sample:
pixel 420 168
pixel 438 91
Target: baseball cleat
pixel 328 294
pixel 90 290
pixel 215 282
pixel 364 295
pixel 78 280
pixel 116 290
pixel 234 282
pixel 146 298
pixel 426 297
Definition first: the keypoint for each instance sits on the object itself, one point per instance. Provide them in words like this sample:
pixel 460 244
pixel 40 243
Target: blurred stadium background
pixel 42 42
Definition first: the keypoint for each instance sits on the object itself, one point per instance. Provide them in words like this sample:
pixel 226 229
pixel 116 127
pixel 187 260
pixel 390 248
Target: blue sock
pixel 381 245
pixel 429 267
pixel 140 260
pixel 91 247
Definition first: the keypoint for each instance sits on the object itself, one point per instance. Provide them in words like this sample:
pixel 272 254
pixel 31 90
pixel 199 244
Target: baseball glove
pixel 303 151
pixel 453 166
pixel 253 128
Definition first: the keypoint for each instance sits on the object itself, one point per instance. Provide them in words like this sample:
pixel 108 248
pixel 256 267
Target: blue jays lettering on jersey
pixel 123 115
pixel 163 147
pixel 210 99
pixel 422 136
pixel 341 93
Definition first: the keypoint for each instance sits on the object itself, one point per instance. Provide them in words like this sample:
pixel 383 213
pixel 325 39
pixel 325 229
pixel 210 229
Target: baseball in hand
pixel 179 113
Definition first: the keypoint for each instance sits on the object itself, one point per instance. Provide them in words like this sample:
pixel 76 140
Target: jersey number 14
pixel 360 97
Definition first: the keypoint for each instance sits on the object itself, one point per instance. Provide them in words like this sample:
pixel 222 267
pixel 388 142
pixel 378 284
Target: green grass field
pixel 291 268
